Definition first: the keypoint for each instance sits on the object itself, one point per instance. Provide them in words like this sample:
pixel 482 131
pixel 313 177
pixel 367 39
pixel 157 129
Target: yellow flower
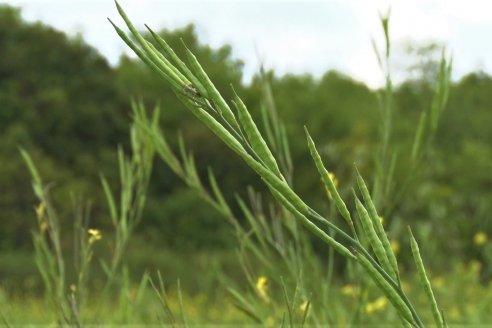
pixel 262 288
pixel 40 214
pixel 333 179
pixel 304 306
pixel 395 246
pixel 454 313
pixel 377 305
pixel 350 290
pixel 40 209
pixel 475 266
pixel 438 282
pixel 480 238
pixel 95 235
pixel 270 322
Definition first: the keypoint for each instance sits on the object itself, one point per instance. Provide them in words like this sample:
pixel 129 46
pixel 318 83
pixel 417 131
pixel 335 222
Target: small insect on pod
pixel 191 91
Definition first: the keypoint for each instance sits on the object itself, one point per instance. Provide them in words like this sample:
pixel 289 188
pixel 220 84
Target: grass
pixel 285 281
pixel 467 301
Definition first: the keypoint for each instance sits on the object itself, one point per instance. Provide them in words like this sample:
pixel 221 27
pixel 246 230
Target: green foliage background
pixel 62 101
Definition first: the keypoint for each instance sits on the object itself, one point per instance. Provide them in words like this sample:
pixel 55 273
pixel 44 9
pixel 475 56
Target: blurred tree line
pixel 62 102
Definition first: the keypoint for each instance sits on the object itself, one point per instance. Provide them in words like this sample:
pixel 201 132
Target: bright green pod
pixel 144 57
pixel 216 127
pixel 376 222
pixel 280 185
pixel 150 53
pixel 168 63
pixel 186 71
pixel 262 171
pixel 311 226
pixel 374 241
pixel 387 289
pixel 342 208
pixel 214 94
pixel 424 280
pixel 254 136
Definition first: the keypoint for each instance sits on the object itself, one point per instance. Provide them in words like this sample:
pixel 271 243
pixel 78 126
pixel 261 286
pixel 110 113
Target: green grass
pixel 460 291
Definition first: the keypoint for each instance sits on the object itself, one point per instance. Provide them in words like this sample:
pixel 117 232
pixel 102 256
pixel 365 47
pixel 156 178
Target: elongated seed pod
pixel 376 222
pixel 280 185
pixel 425 281
pixel 342 208
pixel 311 226
pixel 262 171
pixel 215 126
pixel 386 288
pixel 168 64
pixel 374 241
pixel 186 71
pixel 214 94
pixel 145 58
pixel 150 53
pixel 254 137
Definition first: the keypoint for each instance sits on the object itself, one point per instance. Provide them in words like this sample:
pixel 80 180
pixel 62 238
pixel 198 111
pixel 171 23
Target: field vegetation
pixel 288 201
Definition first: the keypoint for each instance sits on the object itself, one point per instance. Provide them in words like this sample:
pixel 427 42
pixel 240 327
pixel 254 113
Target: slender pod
pixel 376 222
pixel 144 57
pixel 168 63
pixel 148 50
pixel 311 226
pixel 186 71
pixel 342 208
pixel 216 127
pixel 373 238
pixel 261 170
pixel 386 288
pixel 424 280
pixel 254 136
pixel 212 91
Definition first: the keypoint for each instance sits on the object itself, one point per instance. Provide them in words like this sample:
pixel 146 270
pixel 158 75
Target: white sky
pixel 290 36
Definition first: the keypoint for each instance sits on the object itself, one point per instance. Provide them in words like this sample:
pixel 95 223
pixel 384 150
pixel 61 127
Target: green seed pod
pixel 254 137
pixel 212 91
pixel 144 57
pixel 425 281
pixel 374 241
pixel 386 288
pixel 376 222
pixel 311 226
pixel 150 53
pixel 216 127
pixel 170 52
pixel 168 64
pixel 281 186
pixel 342 208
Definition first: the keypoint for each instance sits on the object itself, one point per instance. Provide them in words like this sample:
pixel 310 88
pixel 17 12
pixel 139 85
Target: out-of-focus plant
pixel 69 298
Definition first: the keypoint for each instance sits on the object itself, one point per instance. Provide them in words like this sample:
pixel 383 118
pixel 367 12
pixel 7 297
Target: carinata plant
pixel 239 132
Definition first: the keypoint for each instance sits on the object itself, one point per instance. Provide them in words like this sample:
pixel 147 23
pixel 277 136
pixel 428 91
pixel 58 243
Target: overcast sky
pixel 289 36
